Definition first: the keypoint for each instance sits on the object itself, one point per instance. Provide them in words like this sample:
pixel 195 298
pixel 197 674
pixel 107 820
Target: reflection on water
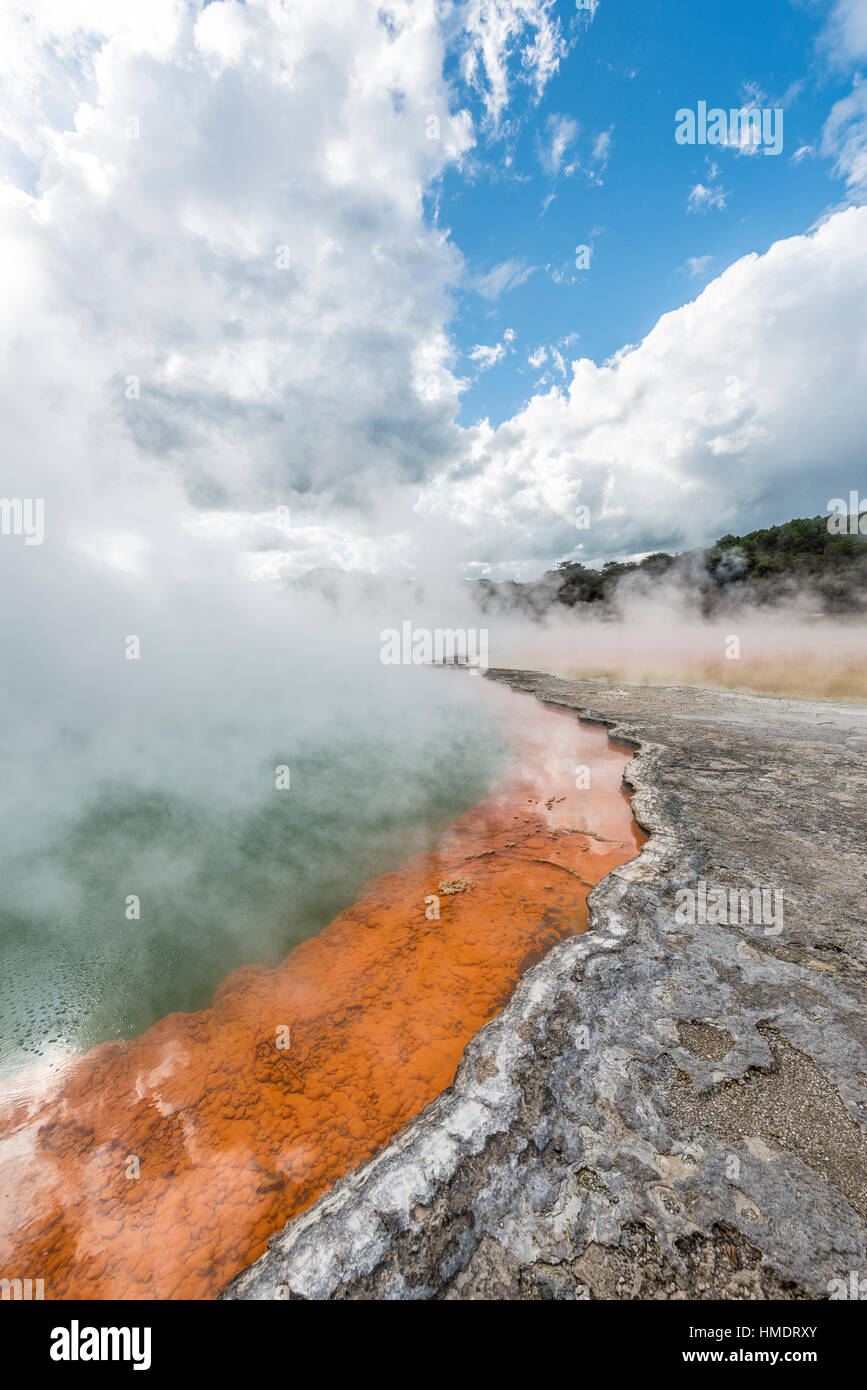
pixel 158 1167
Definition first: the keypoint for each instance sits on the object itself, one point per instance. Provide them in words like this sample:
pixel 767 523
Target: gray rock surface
pixel 663 1110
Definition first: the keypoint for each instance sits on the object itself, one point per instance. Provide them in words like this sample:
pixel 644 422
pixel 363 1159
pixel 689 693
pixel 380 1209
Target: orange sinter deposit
pixel 159 1167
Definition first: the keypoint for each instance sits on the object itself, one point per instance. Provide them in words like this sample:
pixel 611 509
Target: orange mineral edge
pixel 159 1167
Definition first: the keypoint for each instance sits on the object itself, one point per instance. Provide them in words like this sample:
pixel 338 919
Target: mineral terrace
pixel 663 1110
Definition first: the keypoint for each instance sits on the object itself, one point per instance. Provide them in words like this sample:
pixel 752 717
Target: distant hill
pixel 768 565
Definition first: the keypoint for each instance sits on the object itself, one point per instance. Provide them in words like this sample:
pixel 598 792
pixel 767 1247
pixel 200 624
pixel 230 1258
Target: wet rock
pixel 664 1109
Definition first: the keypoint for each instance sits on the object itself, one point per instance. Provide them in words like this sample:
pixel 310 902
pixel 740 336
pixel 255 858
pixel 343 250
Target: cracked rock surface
pixel 662 1110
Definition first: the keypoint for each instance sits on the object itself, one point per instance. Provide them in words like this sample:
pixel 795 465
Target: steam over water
pixel 158 1167
pixel 180 809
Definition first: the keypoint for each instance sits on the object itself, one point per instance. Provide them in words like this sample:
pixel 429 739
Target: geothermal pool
pixel 157 1167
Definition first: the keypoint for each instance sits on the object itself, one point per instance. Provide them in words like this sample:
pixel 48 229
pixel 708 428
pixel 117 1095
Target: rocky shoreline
pixel 663 1109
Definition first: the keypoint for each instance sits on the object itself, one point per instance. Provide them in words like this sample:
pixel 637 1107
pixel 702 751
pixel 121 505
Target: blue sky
pixel 626 74
pixel 349 383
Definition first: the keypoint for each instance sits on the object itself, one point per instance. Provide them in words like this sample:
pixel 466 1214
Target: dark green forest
pixel 764 566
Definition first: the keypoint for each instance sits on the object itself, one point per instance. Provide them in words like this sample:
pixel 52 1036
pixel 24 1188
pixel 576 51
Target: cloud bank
pixel 223 284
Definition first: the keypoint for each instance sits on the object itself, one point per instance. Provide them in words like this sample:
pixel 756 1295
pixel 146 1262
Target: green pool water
pixel 228 869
